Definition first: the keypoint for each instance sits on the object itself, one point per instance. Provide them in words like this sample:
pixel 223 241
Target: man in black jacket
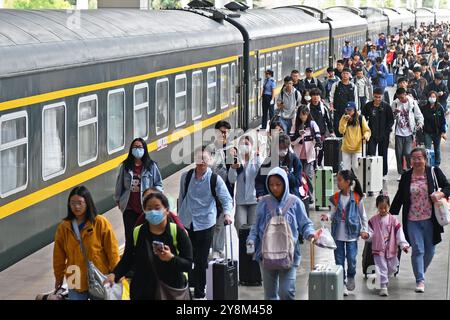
pixel 310 82
pixel 438 86
pixel 321 115
pixel 380 119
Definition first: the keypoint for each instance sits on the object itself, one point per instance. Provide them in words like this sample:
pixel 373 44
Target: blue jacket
pixel 378 80
pixel 150 178
pixel 296 216
pixel 355 219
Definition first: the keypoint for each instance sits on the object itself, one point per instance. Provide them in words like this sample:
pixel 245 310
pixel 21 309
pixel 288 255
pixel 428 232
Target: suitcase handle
pixel 311 254
pixel 226 244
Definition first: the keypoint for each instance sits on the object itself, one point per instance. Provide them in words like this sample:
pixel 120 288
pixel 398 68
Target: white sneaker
pixel 385 178
pixel 398 179
pixel 420 287
pixel 345 291
pixel 383 292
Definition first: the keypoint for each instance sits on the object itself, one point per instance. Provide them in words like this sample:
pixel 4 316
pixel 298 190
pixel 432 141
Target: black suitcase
pixel 367 259
pixel 225 276
pixel 249 272
pixel 332 153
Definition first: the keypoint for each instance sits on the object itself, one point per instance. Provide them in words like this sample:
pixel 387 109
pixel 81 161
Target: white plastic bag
pixel 442 211
pixel 325 240
pixel 118 291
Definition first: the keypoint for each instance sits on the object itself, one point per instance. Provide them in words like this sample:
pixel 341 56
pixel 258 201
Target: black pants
pixel 129 221
pixel 383 144
pixel 336 118
pixel 201 242
pixel 266 108
pixel 362 102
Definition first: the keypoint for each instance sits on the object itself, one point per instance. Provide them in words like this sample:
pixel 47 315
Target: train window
pixel 307 63
pixel 87 129
pixel 224 86
pixel 180 99
pixel 268 61
pixel 280 66
pixel 297 58
pixel 13 153
pixel 53 140
pixel 116 120
pixel 234 82
pixel 141 111
pixel 301 66
pixel 162 106
pixel 316 57
pixel 197 94
pixel 275 65
pixel 212 90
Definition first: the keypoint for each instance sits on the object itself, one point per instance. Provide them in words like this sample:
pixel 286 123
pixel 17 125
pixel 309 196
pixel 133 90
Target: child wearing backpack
pixel 280 218
pixel 386 235
pixel 348 222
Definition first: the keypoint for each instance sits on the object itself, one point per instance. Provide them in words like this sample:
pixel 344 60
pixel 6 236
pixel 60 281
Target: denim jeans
pixel 436 140
pixel 420 235
pixel 349 250
pixel 245 214
pixel 286 124
pixel 279 284
pixel 75 295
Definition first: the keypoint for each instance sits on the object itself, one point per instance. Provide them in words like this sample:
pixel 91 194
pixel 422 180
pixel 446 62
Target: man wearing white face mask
pixel 137 173
pixel 243 174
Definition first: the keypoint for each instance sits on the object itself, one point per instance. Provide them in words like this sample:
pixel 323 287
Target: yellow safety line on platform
pixel 50 191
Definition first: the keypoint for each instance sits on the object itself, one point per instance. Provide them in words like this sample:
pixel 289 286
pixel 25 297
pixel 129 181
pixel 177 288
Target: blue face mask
pixel 138 153
pixel 155 217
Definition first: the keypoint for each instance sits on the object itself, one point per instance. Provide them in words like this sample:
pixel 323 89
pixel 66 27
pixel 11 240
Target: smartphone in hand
pixel 158 246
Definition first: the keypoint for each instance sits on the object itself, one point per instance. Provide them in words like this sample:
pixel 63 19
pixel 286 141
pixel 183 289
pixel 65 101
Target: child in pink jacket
pixel 386 235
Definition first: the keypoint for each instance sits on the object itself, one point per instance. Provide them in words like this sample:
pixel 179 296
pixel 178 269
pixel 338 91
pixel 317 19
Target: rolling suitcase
pixel 326 282
pixel 222 276
pixel 370 173
pixel 323 187
pixel 431 157
pixel 249 272
pixel 367 260
pixel 332 153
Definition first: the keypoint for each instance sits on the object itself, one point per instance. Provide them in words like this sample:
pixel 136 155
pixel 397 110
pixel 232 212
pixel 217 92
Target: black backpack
pixel 212 184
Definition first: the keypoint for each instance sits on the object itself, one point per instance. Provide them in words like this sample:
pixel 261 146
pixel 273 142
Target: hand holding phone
pixel 158 246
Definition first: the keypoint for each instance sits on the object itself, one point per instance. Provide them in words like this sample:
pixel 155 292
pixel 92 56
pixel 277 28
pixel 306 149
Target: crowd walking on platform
pixel 269 188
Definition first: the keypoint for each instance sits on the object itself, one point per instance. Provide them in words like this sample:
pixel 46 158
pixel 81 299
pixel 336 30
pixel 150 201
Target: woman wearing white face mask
pixel 434 125
pixel 137 173
pixel 243 173
pixel 161 252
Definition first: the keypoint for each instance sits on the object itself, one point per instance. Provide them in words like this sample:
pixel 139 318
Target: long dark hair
pixel 128 163
pixel 298 121
pixel 91 211
pixel 348 175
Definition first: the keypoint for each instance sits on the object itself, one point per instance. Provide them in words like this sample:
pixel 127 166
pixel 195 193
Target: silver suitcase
pixel 370 173
pixel 326 282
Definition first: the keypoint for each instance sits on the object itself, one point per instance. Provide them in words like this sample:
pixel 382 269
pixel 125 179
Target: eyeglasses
pixel 417 158
pixel 223 132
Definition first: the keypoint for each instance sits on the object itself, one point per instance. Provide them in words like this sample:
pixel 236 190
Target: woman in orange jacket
pixel 98 238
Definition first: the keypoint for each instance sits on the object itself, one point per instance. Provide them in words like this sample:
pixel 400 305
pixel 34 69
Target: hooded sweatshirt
pixel 295 215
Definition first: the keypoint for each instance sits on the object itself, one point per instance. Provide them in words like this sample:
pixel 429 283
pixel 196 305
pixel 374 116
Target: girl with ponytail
pixel 348 222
